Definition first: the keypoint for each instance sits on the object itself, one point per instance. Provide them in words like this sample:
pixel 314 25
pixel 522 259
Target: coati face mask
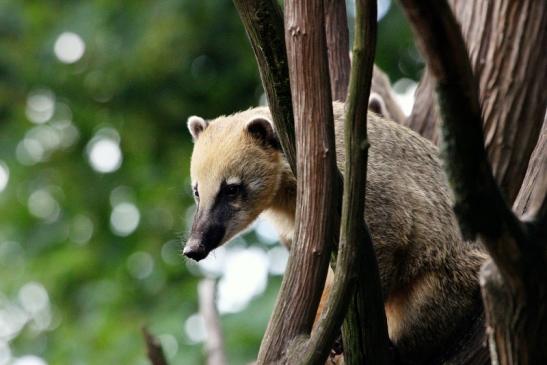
pixel 235 173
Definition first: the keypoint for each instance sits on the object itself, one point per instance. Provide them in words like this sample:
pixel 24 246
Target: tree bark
pixel 504 39
pixel 263 22
pixel 337 35
pixel 365 328
pixel 532 193
pixel 336 29
pixel 514 284
pixel 424 118
pixel 153 349
pixel 306 271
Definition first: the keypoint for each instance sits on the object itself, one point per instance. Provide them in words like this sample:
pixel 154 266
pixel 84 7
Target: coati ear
pixel 196 125
pixel 376 104
pixel 262 130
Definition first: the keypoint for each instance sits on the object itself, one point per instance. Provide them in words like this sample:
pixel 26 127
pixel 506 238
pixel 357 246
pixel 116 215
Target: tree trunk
pixel 514 283
pixel 505 40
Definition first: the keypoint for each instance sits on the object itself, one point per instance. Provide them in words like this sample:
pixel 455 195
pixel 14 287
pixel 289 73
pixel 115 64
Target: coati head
pixel 235 174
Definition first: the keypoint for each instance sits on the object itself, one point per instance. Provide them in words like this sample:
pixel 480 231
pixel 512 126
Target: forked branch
pixel 514 285
pixel 478 204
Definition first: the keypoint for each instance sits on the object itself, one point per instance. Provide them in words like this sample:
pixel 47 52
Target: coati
pixel 429 275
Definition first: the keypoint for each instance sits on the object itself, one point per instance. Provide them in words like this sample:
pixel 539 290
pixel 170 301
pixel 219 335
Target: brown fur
pixel 428 273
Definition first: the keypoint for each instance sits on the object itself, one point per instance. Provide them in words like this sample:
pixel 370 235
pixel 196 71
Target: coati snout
pixel 208 230
pixel 206 240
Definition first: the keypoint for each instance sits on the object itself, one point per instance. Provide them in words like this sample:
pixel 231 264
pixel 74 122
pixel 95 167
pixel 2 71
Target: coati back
pixel 429 275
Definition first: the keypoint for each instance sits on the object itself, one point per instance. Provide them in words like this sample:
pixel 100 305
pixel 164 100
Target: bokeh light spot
pixel 171 253
pixel 43 205
pixel 104 155
pixel 194 328
pixel 124 219
pixel 404 90
pixel 246 276
pixel 40 106
pixel 33 297
pixel 278 257
pixel 29 360
pixel 69 47
pixel 4 175
pixel 169 344
pixel 140 265
pixel 5 353
pixel 81 229
pixel 265 231
pixel 29 151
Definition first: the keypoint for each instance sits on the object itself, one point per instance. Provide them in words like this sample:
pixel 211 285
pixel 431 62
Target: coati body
pixel 429 275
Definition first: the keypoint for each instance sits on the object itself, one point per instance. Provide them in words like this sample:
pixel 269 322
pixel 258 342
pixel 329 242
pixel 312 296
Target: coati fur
pixel 429 275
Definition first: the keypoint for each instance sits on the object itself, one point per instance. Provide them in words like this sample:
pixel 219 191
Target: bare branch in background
pixel 214 343
pixel 153 347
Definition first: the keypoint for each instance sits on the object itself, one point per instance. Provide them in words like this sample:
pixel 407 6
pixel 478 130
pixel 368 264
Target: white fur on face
pixel 233 180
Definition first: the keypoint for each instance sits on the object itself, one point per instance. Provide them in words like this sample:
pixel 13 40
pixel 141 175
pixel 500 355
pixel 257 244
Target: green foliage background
pixel 147 66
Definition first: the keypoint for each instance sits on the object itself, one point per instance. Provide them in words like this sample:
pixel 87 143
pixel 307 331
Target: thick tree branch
pixel 478 204
pixel 514 285
pixel 502 39
pixel 263 22
pixel 307 267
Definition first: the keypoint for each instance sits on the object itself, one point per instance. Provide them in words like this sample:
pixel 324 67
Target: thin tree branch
pixel 153 347
pixel 214 343
pixel 336 29
pixel 263 22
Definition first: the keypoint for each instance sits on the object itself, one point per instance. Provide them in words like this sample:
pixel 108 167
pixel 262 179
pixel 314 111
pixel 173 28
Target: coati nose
pixel 195 251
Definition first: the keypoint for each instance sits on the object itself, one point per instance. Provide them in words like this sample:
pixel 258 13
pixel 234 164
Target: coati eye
pixel 196 193
pixel 232 190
